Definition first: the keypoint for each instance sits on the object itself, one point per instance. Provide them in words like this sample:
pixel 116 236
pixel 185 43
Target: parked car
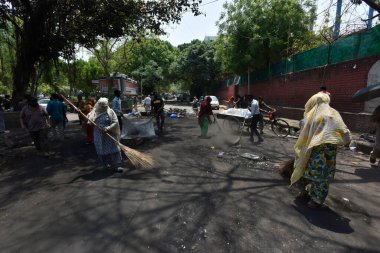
pixel 214 103
pixel 43 102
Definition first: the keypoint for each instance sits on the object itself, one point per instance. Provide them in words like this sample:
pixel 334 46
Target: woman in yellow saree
pixel 316 148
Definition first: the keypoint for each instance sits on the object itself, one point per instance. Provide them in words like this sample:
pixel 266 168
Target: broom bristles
pixel 286 167
pixel 137 158
pixel 236 141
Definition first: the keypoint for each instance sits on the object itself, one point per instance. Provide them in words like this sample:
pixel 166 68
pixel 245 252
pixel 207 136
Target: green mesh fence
pixel 345 49
pixel 311 58
pixel 356 46
pixel 370 42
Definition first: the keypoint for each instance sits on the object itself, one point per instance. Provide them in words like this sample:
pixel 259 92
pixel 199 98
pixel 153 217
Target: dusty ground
pixel 192 201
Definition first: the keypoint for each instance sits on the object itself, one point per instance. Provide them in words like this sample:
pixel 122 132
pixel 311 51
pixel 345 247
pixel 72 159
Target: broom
pixel 137 158
pixel 286 168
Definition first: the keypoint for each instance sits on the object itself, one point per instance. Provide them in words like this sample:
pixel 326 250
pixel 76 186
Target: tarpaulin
pixel 137 128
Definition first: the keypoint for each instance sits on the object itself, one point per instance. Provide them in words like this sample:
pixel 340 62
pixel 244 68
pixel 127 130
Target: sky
pixel 198 27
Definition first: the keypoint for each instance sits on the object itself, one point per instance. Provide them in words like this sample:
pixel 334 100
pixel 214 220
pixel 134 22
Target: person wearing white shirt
pixel 255 112
pixel 147 104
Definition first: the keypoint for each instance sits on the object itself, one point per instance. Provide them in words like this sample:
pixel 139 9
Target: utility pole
pixel 338 17
pixel 370 16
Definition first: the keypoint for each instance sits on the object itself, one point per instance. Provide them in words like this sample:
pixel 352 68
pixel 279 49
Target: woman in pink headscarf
pixel 204 116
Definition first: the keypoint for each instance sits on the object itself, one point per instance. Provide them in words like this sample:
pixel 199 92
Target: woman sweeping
pixel 316 149
pixel 107 149
pixel 204 116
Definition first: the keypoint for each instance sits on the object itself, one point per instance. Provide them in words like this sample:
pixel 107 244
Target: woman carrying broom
pixel 107 149
pixel 316 148
pixel 204 116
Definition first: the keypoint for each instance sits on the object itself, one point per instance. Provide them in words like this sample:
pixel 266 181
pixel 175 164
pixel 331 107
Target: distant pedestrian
pixel 316 148
pixel 158 110
pixel 231 102
pixel 65 120
pixel 195 105
pixel 34 118
pixel 201 99
pixel 89 128
pixel 135 103
pixel 147 104
pixel 108 151
pixel 256 115
pixel 7 103
pixel 204 118
pixel 116 107
pixel 56 110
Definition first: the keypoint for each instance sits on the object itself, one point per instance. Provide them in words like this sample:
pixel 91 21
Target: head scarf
pixel 99 109
pixel 323 124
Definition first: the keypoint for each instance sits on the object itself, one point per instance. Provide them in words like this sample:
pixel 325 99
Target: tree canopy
pixel 196 67
pixel 253 34
pixel 45 30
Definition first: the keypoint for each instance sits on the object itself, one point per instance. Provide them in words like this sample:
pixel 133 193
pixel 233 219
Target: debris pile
pixel 179 112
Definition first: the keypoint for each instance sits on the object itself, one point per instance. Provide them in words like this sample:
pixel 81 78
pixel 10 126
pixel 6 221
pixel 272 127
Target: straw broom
pixel 287 167
pixel 137 158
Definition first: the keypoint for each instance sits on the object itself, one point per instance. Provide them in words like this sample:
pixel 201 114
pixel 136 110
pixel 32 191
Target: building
pixel 209 38
pixel 126 85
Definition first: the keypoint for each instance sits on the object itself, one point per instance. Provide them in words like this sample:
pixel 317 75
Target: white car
pixel 43 102
pixel 214 103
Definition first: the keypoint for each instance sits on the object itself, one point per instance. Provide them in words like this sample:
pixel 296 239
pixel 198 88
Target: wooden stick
pixel 85 116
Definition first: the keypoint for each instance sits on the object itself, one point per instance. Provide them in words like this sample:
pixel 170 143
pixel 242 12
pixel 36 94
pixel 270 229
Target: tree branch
pixel 373 4
pixel 7 17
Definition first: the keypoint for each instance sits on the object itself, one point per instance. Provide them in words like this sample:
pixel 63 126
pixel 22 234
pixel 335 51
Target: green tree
pixel 253 34
pixel 7 58
pixel 45 29
pixel 196 68
pixel 148 61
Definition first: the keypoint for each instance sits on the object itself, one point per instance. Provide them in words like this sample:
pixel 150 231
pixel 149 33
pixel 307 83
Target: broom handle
pixel 85 116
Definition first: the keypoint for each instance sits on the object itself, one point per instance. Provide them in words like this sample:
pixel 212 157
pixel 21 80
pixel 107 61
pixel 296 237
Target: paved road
pixel 192 201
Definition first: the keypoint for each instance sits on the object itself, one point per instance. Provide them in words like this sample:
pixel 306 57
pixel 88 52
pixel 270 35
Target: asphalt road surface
pixel 192 201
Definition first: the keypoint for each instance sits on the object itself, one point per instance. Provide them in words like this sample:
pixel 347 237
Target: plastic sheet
pixel 137 128
pixel 237 112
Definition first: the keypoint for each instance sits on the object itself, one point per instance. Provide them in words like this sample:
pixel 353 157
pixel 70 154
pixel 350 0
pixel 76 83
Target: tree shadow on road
pixel 324 218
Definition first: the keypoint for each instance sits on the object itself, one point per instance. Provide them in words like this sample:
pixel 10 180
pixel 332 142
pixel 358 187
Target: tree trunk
pixel 21 77
pixel 26 58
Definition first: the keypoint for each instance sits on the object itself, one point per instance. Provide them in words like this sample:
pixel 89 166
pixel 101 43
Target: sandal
pixel 313 205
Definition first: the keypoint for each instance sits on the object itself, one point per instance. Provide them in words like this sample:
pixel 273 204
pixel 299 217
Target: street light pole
pixel 141 83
